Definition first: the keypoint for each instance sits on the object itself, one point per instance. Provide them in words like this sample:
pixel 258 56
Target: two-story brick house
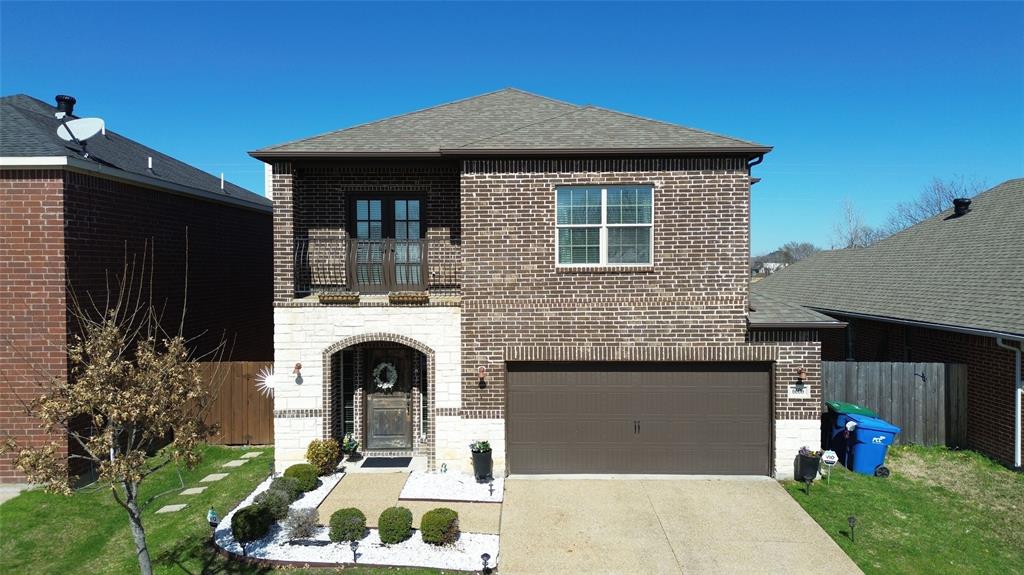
pixel 567 282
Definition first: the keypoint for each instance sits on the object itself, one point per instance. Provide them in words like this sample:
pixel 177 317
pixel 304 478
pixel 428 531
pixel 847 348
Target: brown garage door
pixel 638 418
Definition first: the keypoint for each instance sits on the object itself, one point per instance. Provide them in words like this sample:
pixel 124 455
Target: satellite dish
pixel 81 129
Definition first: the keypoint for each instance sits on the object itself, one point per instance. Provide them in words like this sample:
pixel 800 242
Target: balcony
pixel 337 265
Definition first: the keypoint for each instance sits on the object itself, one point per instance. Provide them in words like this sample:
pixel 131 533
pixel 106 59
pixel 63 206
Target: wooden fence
pixel 927 401
pixel 245 416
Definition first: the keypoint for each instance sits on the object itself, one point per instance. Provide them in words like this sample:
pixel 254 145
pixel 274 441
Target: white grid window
pixel 604 225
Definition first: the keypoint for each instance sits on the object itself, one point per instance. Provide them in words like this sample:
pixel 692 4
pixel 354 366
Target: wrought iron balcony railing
pixel 335 265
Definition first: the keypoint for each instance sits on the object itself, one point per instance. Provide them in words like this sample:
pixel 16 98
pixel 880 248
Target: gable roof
pixel 28 129
pixel 964 273
pixel 510 121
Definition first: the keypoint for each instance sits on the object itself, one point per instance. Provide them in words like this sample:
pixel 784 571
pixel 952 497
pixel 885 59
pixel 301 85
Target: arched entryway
pixel 379 388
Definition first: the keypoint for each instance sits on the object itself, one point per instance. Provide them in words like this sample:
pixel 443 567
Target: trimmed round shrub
pixel 324 455
pixel 289 485
pixel 275 502
pixel 440 526
pixel 395 525
pixel 302 523
pixel 305 474
pixel 348 524
pixel 250 523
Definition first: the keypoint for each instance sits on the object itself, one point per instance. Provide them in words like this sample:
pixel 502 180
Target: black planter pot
pixel 808 467
pixel 483 465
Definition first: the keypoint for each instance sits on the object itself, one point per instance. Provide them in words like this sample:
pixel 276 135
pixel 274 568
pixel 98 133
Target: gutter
pixel 799 325
pixel 939 326
pixel 756 152
pixel 78 165
pixel 1018 392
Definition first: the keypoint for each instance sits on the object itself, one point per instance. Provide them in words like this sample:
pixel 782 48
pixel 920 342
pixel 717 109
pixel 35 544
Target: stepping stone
pixel 252 454
pixel 171 508
pixel 235 463
pixel 213 477
pixel 193 491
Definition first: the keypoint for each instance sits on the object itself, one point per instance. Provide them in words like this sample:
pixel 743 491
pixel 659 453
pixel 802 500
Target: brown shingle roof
pixel 509 121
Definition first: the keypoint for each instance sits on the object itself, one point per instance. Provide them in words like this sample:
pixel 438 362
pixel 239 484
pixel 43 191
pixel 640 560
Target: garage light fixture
pixel 481 373
pixel 801 373
pixel 298 373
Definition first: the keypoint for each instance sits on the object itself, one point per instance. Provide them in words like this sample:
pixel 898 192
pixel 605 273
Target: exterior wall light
pixel 298 373
pixel 801 374
pixel 481 373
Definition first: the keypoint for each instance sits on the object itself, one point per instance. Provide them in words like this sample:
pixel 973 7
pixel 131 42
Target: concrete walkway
pixel 372 493
pixel 661 526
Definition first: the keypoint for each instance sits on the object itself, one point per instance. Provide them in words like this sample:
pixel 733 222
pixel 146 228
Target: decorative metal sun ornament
pixel 265 381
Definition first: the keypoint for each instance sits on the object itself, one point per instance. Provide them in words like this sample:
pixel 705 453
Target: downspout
pixel 1019 389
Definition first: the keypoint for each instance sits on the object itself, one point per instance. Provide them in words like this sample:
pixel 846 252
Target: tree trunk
pixel 138 532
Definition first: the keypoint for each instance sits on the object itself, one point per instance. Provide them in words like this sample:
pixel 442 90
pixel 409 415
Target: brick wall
pixel 513 295
pixel 224 253
pixel 63 228
pixel 32 300
pixel 990 372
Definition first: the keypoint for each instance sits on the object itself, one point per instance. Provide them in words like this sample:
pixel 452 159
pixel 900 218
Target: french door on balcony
pixel 387 254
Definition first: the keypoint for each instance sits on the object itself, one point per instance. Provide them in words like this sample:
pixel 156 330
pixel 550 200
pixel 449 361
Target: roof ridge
pixel 541 96
pixel 414 112
pixel 672 124
pixel 523 127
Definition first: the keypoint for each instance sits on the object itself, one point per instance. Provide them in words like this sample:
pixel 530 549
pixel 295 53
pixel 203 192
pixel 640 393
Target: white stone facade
pixel 301 334
pixel 790 436
pixel 454 434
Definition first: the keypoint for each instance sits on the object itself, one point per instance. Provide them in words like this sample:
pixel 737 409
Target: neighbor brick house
pixel 567 282
pixel 946 290
pixel 69 222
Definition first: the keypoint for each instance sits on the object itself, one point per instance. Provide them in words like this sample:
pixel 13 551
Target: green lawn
pixel 88 532
pixel 940 511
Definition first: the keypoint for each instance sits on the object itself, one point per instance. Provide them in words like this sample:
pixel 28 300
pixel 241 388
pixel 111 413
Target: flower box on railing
pixel 408 297
pixel 347 298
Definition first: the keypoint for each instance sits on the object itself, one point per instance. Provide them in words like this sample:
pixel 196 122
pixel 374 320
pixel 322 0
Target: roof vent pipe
pixel 66 104
pixel 961 206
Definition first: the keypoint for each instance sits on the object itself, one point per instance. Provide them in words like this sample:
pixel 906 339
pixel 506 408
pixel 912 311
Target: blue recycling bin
pixel 868 443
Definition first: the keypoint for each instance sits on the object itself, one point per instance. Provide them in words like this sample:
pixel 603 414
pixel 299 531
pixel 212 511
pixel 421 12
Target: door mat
pixel 387 462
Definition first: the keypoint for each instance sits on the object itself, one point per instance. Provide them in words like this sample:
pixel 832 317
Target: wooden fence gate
pixel 245 415
pixel 927 401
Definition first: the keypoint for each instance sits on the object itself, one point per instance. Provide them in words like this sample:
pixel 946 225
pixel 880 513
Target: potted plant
pixel 350 447
pixel 483 464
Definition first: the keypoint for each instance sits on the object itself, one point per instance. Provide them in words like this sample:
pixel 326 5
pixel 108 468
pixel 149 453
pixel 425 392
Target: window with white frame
pixel 604 225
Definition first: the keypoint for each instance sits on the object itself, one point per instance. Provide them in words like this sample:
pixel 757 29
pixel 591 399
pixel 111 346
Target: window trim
pixel 603 228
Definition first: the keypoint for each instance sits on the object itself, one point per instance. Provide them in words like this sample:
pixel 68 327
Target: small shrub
pixel 348 524
pixel 302 523
pixel 275 502
pixel 250 523
pixel 395 525
pixel 289 485
pixel 305 474
pixel 324 455
pixel 440 526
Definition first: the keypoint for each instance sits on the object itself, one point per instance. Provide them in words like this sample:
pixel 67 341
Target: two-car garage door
pixel 699 418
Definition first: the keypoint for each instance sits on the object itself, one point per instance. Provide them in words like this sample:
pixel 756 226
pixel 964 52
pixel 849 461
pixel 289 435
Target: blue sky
pixel 861 101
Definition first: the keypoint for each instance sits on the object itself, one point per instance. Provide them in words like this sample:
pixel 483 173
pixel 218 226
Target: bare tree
pixel 936 197
pixel 138 387
pixel 796 251
pixel 851 231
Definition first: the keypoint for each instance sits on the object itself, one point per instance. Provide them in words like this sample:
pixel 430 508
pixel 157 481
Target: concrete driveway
pixel 661 526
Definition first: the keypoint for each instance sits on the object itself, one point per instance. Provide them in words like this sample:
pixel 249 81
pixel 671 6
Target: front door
pixel 388 246
pixel 388 388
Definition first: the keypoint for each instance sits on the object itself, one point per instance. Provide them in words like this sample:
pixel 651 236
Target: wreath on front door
pixel 385 376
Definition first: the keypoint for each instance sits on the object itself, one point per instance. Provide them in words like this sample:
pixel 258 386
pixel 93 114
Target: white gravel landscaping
pixel 464 555
pixel 451 487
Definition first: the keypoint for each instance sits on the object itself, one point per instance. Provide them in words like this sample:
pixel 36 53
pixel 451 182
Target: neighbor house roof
pixel 510 121
pixel 767 311
pixel 964 273
pixel 28 130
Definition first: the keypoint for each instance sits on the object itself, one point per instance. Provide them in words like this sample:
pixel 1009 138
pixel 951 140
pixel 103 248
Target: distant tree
pixel 850 231
pixel 934 198
pixel 796 251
